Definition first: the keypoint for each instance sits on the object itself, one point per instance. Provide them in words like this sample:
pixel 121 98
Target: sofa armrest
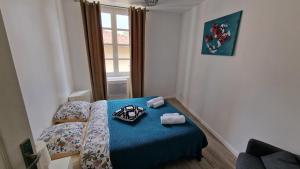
pixel 247 161
pixel 259 148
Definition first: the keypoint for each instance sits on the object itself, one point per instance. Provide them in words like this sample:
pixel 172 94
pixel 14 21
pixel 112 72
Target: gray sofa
pixel 259 153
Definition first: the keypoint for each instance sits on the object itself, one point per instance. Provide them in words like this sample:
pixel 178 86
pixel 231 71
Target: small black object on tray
pixel 129 113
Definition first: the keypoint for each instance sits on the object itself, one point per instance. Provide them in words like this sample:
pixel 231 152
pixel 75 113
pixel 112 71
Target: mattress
pixel 146 143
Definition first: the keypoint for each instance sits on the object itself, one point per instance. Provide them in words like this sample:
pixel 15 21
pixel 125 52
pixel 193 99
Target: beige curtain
pixel 137 39
pixel 95 49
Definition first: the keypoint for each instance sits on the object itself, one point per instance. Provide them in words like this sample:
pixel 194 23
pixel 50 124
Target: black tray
pixel 125 112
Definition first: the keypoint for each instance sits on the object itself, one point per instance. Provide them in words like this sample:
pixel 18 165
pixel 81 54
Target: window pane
pixel 122 21
pixel 123 37
pixel 106 20
pixel 107 37
pixel 109 65
pixel 124 65
pixel 123 52
pixel 108 51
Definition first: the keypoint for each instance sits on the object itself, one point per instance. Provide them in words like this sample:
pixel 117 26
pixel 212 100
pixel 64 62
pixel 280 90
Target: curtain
pixel 95 49
pixel 137 39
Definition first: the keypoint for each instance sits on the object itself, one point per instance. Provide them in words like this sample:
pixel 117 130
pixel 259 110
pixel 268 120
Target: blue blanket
pixel 146 143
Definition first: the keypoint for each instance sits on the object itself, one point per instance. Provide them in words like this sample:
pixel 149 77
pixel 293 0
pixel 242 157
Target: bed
pixel 146 143
pixel 143 144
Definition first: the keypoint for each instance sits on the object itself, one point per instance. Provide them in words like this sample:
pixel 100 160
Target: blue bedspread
pixel 146 143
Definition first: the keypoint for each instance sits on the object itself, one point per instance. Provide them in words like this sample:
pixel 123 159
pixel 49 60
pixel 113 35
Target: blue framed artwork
pixel 220 35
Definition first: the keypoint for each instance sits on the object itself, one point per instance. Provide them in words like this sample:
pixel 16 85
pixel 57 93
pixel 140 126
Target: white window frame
pixel 114 12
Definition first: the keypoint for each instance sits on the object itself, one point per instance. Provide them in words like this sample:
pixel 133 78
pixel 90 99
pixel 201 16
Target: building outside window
pixel 115 25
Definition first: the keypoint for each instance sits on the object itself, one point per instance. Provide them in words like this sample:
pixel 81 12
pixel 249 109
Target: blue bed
pixel 146 144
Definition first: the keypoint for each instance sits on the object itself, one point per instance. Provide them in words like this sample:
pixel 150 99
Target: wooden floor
pixel 216 155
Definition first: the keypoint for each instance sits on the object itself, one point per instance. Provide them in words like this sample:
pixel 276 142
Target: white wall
pixel 14 126
pixel 254 94
pixel 40 53
pixel 186 53
pixel 162 52
pixel 76 40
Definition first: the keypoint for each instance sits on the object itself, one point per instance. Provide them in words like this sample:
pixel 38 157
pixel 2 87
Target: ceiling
pixel 162 5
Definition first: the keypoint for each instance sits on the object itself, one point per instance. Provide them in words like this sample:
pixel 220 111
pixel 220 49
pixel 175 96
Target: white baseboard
pixel 217 135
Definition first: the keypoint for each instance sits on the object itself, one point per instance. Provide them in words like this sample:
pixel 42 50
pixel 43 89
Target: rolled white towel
pixel 158 103
pixel 180 119
pixel 171 114
pixel 150 102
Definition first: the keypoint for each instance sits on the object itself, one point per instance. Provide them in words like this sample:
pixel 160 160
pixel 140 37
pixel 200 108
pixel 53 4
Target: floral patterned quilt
pixel 63 140
pixel 95 151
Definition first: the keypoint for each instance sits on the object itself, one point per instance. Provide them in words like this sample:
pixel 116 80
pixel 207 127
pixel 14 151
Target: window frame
pixel 113 13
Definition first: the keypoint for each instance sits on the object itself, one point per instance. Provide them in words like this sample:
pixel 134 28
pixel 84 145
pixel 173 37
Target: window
pixel 115 25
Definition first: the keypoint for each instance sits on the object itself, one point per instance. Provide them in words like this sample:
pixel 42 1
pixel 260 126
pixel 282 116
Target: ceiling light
pixel 151 2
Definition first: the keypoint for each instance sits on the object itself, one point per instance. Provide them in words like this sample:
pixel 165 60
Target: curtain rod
pixel 112 6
